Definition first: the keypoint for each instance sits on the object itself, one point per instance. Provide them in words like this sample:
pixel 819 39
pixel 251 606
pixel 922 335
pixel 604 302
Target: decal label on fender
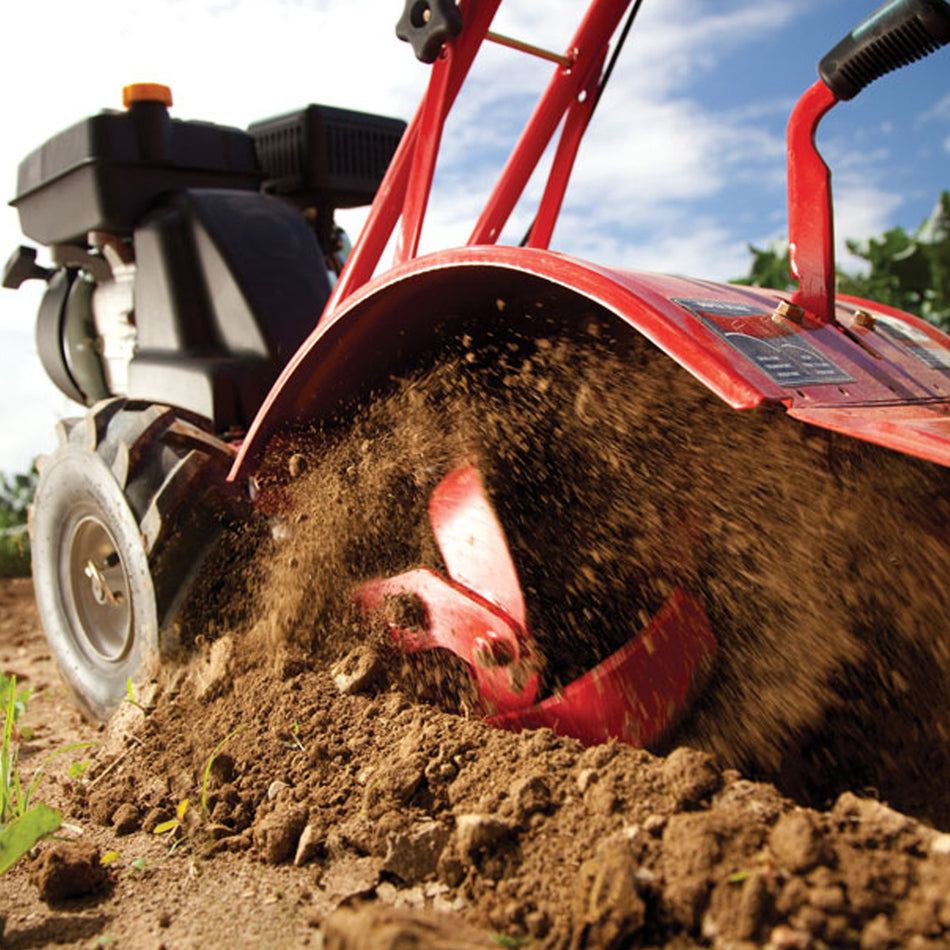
pixel 919 343
pixel 779 351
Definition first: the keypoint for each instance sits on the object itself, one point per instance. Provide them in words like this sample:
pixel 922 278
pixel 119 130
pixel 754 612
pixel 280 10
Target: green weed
pixel 20 826
pixel 510 943
pixel 22 823
pixel 173 823
pixel 131 700
pixel 78 768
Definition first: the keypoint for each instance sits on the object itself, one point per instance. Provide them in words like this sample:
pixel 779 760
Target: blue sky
pixel 682 168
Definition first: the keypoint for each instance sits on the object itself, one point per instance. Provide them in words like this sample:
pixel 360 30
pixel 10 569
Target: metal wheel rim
pixel 97 589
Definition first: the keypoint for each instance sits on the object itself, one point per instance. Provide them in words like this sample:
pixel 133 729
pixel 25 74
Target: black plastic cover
pixel 106 172
pixel 324 156
pixel 228 284
pixel 895 35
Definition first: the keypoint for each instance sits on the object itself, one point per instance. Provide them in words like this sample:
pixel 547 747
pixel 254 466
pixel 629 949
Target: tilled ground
pixel 398 822
pixel 344 810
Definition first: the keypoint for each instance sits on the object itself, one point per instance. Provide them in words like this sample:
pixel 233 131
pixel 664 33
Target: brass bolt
pixel 786 310
pixel 863 319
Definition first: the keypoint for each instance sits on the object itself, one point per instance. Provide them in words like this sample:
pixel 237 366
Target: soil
pixel 340 794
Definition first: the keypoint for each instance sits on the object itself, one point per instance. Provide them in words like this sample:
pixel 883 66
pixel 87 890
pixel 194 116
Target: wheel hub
pixel 99 589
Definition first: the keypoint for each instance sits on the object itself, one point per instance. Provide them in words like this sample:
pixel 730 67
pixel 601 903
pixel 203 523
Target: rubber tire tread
pixel 169 474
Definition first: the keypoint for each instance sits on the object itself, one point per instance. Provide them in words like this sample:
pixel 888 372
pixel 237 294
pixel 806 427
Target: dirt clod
pixel 277 835
pixel 350 878
pixel 415 856
pixel 127 818
pixel 607 911
pixel 393 784
pixel 69 869
pixel 530 796
pixel 103 804
pixel 310 845
pixel 692 775
pixel 795 842
pixel 382 928
pixel 357 672
pixel 213 676
pixel 478 834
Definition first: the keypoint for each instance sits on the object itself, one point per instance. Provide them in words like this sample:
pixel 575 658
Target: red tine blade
pixel 472 628
pixel 636 693
pixel 473 543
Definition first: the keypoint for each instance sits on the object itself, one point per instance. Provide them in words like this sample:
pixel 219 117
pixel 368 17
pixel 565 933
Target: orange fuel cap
pixel 146 92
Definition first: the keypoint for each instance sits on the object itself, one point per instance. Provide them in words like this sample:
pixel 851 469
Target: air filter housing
pixel 326 157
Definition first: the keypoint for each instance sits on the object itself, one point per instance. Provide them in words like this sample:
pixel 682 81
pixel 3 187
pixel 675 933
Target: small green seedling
pixel 20 698
pixel 173 823
pixel 510 943
pixel 78 768
pixel 22 824
pixel 131 700
pixel 294 742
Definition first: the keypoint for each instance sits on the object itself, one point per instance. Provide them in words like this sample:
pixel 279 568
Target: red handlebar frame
pixel 407 185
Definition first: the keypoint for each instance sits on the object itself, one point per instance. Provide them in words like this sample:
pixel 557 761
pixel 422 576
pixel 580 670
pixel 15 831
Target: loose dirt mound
pixel 821 564
pixel 821 561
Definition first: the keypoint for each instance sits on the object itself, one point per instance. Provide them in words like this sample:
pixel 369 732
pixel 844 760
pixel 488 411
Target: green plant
pixel 174 824
pixel 509 943
pixel 20 826
pixel 22 823
pixel 131 700
pixel 78 768
pixel 16 494
pixel 294 741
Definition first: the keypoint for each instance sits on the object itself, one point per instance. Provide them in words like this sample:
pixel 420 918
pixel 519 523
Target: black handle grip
pixel 895 35
pixel 21 266
pixel 428 25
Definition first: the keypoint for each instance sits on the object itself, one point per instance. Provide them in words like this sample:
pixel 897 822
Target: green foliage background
pixel 908 271
pixel 16 493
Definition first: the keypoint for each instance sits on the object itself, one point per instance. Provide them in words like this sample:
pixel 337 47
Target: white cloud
pixel 940 110
pixel 683 245
pixel 861 210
